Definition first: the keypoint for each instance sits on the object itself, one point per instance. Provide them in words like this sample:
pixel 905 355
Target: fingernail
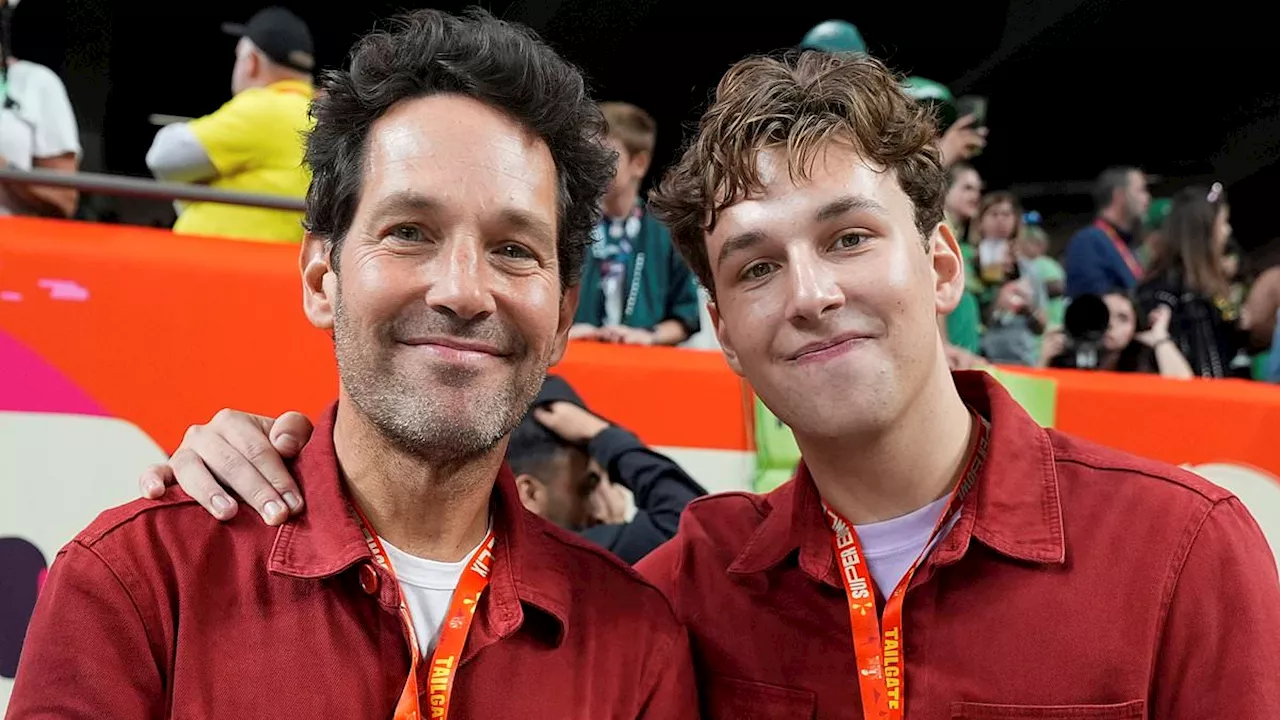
pixel 154 487
pixel 220 503
pixel 289 444
pixel 292 501
pixel 271 509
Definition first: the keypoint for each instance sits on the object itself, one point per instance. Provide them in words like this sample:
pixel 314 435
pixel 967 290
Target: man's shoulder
pixel 729 516
pixel 714 530
pixel 34 75
pixel 143 532
pixel 1150 486
pixel 1087 234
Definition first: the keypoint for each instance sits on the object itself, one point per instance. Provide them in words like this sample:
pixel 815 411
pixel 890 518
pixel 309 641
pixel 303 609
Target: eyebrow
pixel 522 221
pixel 405 202
pixel 737 244
pixel 848 204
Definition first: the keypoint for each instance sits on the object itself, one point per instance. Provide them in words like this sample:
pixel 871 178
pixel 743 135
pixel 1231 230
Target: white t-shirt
pixel 428 587
pixel 41 126
pixel 890 547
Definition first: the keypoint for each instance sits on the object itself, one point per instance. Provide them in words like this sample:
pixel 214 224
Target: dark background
pixel 1074 86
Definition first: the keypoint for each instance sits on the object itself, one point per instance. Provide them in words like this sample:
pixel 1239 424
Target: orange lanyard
pixel 881 679
pixel 453 633
pixel 1121 247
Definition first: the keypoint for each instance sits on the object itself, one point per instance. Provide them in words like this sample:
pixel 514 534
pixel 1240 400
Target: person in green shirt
pixel 636 289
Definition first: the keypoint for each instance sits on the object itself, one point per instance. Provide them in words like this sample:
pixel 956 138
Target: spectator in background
pixel 1013 299
pixel 963 326
pixel 1188 276
pixel 1124 349
pixel 1262 303
pixel 254 142
pixel 1153 231
pixel 1101 257
pixel 571 466
pixel 37 130
pixel 635 288
pixel 1033 245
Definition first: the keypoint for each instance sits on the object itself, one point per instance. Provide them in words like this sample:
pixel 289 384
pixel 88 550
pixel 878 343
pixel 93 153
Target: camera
pixel 1086 322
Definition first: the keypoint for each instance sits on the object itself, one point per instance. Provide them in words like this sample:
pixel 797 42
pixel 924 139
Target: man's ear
pixel 319 280
pixel 722 334
pixel 948 268
pixel 640 162
pixel 532 493
pixel 568 308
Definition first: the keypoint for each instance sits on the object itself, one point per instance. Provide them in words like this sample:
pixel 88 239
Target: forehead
pixel 1116 303
pixel 462 153
pixel 787 201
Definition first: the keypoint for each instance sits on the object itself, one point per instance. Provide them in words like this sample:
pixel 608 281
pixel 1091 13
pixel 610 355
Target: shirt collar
pixel 1013 509
pixel 326 540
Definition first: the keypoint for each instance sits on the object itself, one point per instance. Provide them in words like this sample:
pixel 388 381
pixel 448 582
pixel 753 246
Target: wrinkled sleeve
pixel 86 653
pixel 1219 656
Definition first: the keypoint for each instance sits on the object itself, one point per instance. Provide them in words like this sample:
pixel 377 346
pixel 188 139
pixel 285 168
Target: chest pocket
pixel 1135 710
pixel 733 699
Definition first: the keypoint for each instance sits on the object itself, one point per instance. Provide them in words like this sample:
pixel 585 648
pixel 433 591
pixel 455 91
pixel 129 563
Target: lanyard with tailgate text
pixel 453 633
pixel 879 655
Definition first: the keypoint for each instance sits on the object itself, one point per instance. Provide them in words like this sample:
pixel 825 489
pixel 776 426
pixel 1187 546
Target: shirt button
pixel 368 579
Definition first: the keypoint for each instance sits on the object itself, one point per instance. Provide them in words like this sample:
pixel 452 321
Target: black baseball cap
pixel 280 35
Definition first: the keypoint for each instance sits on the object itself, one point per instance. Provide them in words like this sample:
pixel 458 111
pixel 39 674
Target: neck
pixel 436 511
pixel 1116 216
pixel 883 474
pixel 618 205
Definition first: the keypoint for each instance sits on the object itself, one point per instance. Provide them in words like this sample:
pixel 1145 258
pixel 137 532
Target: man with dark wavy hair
pixel 457 171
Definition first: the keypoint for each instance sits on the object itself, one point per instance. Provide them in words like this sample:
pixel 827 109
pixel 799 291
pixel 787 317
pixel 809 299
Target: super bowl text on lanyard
pixel 453 633
pixel 881 676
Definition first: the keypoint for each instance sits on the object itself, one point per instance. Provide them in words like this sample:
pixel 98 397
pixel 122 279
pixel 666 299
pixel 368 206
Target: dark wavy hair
pixel 504 65
pixel 799 102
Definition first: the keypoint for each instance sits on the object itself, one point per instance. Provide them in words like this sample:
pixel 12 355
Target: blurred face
pixel 630 169
pixel 1136 197
pixel 446 304
pixel 963 196
pixel 999 221
pixel 562 490
pixel 1123 323
pixel 827 296
pixel 244 72
pixel 1222 229
pixel 1030 247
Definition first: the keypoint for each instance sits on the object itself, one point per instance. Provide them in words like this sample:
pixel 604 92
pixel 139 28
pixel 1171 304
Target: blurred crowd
pixel 1154 286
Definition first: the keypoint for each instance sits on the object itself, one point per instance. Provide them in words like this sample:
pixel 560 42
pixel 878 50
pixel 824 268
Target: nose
pixel 815 289
pixel 461 285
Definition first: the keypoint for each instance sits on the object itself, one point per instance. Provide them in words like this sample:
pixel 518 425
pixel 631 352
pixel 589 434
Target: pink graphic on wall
pixel 30 384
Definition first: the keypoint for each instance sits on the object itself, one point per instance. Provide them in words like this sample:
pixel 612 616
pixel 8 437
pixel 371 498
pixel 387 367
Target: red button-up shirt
pixel 157 610
pixel 1078 582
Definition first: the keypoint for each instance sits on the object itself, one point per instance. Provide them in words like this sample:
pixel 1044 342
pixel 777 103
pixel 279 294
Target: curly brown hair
pixel 800 101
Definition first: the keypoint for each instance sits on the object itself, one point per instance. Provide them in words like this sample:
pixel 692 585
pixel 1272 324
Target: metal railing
pixel 144 188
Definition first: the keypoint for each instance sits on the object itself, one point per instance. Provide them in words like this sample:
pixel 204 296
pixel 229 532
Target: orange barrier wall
pixel 164 330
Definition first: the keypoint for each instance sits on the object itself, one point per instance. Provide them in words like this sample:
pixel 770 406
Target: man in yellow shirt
pixel 254 142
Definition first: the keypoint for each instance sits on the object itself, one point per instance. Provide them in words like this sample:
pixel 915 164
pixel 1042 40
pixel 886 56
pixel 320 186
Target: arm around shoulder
pixel 87 653
pixel 1218 655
